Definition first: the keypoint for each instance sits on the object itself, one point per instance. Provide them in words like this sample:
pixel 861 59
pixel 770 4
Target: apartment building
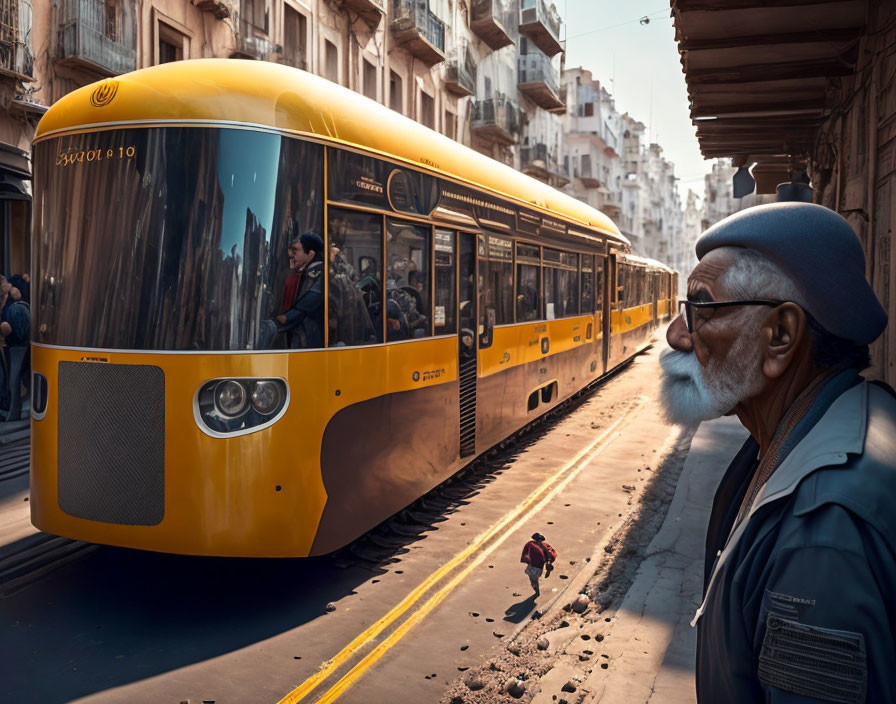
pixel 483 72
pixel 595 139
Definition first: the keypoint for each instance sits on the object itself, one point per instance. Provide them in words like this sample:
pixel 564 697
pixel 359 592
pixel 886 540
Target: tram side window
pixel 561 297
pixel 355 278
pixel 444 312
pixel 587 284
pixel 599 283
pixel 495 279
pixel 622 285
pixel 528 282
pixel 569 283
pixel 407 281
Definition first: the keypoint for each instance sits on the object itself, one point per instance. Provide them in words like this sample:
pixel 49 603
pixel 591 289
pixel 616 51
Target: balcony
pixel 289 57
pixel 492 20
pixel 539 82
pixel 588 173
pixel 222 9
pixel 496 120
pixel 248 45
pixel 541 25
pixel 90 38
pixel 16 59
pixel 460 73
pixel 537 161
pixel 418 31
pixel 371 11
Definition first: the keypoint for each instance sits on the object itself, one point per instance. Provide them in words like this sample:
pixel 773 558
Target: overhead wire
pixel 650 15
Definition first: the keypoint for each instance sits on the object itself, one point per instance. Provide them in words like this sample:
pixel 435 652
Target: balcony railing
pixel 418 30
pixel 495 119
pixel 291 57
pixel 539 81
pixel 219 8
pixel 460 72
pixel 248 45
pixel 371 11
pixel 494 22
pixel 16 58
pixel 90 38
pixel 542 25
pixel 538 161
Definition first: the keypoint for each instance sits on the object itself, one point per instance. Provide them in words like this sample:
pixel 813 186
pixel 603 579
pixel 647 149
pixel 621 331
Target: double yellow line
pixel 533 503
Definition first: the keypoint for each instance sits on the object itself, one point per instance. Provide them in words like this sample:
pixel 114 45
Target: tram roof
pixel 287 98
pixel 646 261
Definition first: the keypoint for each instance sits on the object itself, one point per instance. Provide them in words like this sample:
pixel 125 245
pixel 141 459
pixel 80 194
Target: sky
pixel 640 65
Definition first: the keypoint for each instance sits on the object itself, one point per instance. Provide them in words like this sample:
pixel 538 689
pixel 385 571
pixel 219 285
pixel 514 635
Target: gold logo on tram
pixel 103 94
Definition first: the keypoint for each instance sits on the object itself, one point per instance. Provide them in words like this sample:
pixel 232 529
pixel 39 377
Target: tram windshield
pixel 169 238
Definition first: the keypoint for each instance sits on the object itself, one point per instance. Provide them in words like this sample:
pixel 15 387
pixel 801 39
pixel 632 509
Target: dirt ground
pixel 550 658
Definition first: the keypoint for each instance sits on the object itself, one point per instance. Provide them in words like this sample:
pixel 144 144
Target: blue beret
pixel 819 249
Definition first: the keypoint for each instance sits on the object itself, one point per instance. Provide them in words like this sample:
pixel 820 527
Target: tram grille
pixel 111 442
pixel 468 407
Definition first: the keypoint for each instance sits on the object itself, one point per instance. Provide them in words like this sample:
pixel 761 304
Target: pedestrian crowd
pixel 15 345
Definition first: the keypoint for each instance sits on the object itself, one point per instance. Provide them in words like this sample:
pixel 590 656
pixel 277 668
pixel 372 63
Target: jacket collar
pixel 839 432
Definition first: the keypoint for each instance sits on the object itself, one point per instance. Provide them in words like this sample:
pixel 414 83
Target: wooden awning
pixel 759 72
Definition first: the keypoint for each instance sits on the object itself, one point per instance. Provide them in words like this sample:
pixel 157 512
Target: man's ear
pixel 783 333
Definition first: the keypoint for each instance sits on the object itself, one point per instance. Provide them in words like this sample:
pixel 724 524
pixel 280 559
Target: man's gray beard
pixel 690 394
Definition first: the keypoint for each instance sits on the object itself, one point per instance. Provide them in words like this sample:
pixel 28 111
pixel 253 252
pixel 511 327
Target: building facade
pixel 612 167
pixel 483 72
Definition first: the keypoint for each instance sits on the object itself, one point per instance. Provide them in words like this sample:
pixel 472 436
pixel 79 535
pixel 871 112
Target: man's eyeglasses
pixel 702 310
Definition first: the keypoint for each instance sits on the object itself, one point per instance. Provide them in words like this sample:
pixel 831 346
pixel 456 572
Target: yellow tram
pixel 461 300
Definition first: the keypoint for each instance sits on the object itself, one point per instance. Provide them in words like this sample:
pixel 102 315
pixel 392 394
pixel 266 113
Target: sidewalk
pixel 653 646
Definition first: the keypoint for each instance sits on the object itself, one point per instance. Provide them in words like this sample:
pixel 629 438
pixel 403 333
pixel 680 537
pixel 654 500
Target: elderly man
pixel 800 574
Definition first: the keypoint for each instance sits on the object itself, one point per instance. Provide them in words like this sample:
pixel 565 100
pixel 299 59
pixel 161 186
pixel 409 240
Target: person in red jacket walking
pixel 537 555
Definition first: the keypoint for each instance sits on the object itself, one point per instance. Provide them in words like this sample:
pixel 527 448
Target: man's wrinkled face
pixel 707 373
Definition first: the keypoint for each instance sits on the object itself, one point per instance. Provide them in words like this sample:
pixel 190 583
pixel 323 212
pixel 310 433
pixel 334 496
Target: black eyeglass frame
pixel 686 308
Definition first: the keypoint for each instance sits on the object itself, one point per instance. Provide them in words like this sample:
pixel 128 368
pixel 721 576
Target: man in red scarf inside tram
pixel 799 599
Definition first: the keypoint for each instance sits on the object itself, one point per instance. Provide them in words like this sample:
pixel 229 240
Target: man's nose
pixel 678 337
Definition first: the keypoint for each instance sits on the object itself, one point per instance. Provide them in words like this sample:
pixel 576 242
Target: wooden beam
pixel 722 5
pixel 716 108
pixel 769 72
pixel 826 35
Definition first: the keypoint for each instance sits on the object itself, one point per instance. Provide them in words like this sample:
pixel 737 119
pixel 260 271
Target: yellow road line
pixel 358 670
pixel 330 666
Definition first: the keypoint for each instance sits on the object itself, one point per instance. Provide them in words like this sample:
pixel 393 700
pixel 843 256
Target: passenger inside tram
pixel 350 322
pixel 302 309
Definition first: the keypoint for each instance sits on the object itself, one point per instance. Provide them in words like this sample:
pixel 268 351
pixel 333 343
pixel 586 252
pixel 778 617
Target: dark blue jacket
pixel 800 600
pixel 305 319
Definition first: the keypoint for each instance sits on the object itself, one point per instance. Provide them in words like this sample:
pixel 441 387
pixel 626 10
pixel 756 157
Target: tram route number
pixel 428 375
pixel 81 156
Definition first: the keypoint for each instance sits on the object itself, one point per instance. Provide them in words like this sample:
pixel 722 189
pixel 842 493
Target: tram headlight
pixel 231 398
pixel 265 396
pixel 228 407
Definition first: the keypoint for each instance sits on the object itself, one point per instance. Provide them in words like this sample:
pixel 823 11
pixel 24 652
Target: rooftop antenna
pixel 613 79
pixel 650 123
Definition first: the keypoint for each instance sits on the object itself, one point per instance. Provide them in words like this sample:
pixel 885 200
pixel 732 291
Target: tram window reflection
pixel 444 320
pixel 407 281
pixel 496 279
pixel 561 289
pixel 599 284
pixel 196 249
pixel 355 291
pixel 528 282
pixel 587 305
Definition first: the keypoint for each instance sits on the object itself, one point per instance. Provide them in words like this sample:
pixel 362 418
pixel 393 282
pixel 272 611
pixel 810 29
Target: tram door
pixel 466 341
